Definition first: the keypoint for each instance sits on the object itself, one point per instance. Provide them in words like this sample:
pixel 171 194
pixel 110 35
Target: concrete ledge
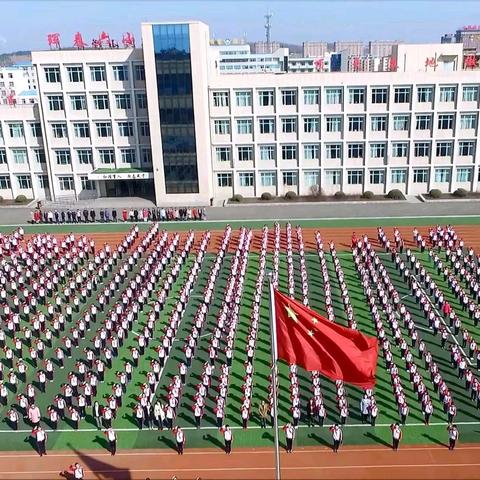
pixel 448 200
pixel 333 202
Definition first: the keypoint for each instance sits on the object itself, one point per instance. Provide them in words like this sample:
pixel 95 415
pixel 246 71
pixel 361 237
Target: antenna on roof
pixel 268 28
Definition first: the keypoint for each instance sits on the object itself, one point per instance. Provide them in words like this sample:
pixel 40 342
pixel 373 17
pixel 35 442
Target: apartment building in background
pixel 18 84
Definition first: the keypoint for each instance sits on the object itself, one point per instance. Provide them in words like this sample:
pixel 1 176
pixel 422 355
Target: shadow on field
pixel 435 440
pixel 377 439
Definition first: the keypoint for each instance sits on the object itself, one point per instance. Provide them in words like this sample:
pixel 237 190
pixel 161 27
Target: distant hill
pixel 15 57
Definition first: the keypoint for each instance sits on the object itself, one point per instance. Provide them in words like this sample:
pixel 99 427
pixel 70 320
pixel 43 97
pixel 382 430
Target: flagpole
pixel 273 331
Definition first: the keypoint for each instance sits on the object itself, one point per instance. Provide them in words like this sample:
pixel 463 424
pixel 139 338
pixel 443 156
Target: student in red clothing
pixel 228 438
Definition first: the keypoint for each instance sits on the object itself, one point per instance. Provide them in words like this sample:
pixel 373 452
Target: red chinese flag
pixel 309 340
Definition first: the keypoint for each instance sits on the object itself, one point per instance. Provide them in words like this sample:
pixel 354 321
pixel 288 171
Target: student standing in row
pixel 228 437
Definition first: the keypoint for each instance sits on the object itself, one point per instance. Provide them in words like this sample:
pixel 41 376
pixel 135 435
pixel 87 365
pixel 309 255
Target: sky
pixel 24 25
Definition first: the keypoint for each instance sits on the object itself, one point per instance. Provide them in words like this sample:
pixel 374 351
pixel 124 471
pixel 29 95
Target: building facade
pixel 18 84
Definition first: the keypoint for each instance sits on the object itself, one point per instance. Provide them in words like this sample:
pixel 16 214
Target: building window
pixel 142 101
pixel 139 73
pixel 36 129
pixel 289 125
pixel 333 177
pixel 223 154
pixel 400 122
pixel 246 179
pixel 144 128
pixel 470 93
pixel 333 151
pixel 5 182
pixel 447 94
pixel 398 175
pixel 289 152
pixel 378 150
pixel 43 182
pixel 380 95
pixel 120 73
pixel 16 130
pixel 442 175
pixel 311 178
pixel 266 98
pixel 59 130
pixel 400 149
pixel 245 153
pixel 86 183
pixel 84 156
pixel 55 102
pixel 128 155
pixel 243 98
pixel 267 125
pixel 401 95
pixel 63 157
pixel 104 129
pixel 466 148
pixel 424 122
pixel 377 177
pixel 422 149
pixel 97 73
pixel 122 101
pixel 244 126
pixel 311 96
pixel 20 156
pixel 355 150
pixel 468 121
pixel 355 124
pixel 355 177
pixel 425 94
pixel 81 130
pixel 445 121
pixel 52 74
pixel 75 74
pixel 146 155
pixel 267 152
pixel 222 127
pixel 333 95
pixel 107 155
pixel 268 179
pixel 221 99
pixel 420 175
pixel 3 156
pixel 311 124
pixel 356 95
pixel 66 183
pixel 464 174
pixel 101 101
pixel 334 124
pixel 311 151
pixel 125 129
pixel 78 102
pixel 24 182
pixel 224 179
pixel 378 123
pixel 444 149
pixel 290 179
pixel 289 97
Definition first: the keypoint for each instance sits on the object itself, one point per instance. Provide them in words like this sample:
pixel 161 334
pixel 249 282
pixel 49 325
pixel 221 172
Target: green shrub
pixel 237 198
pixel 290 195
pixel 435 193
pixel 395 194
pixel 368 195
pixel 460 193
pixel 20 199
pixel 339 195
pixel 266 196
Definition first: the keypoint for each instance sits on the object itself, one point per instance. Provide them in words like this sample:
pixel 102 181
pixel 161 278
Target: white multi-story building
pixel 166 121
pixel 18 84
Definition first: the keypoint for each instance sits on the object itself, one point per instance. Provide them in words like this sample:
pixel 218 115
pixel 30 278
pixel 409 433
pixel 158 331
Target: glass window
pixel 398 175
pixel 15 130
pixel 355 177
pixel 36 129
pixel 221 99
pixel 399 149
pixel 470 93
pixel 104 129
pixel 97 73
pixel 401 95
pixel 334 124
pixel 289 97
pixel 52 74
pixel 78 102
pixel 245 153
pixel 333 151
pixel 378 123
pixel 139 73
pixel 81 129
pixel 144 128
pixel 311 124
pixel 63 157
pixel 468 121
pixel 422 149
pixel 424 122
pixel 55 102
pixel 224 179
pixel 127 155
pixel 66 183
pixel 355 124
pixel 420 175
pixel 466 148
pixel 43 181
pixel 425 94
pixel 311 96
pixel 378 150
pixel 101 101
pixel 400 122
pixel 267 125
pixel 244 98
pixel 122 101
pixel 5 182
pixel 333 95
pixel 146 153
pixel 380 95
pixel 311 178
pixel 445 121
pixel 84 156
pixel 311 151
pixel 24 182
pixel 267 152
pixel 222 127
pixel 20 156
pixel 355 150
pixel 464 174
pixel 223 154
pixel 125 129
pixel 290 179
pixel 3 156
pixel 442 175
pixel 444 149
pixel 289 152
pixel 120 73
pixel 447 94
pixel 289 125
pixel 86 183
pixel 75 74
pixel 333 177
pixel 59 130
pixel 246 179
pixel 266 98
pixel 107 155
pixel 377 177
pixel 244 126
pixel 356 95
pixel 268 179
pixel 141 101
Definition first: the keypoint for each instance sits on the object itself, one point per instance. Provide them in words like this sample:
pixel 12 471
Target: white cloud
pixel 3 40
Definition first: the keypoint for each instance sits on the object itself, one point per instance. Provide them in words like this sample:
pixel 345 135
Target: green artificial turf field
pixel 354 433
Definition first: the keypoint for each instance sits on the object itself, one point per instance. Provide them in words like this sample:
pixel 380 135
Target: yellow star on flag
pixel 314 320
pixel 310 333
pixel 291 314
